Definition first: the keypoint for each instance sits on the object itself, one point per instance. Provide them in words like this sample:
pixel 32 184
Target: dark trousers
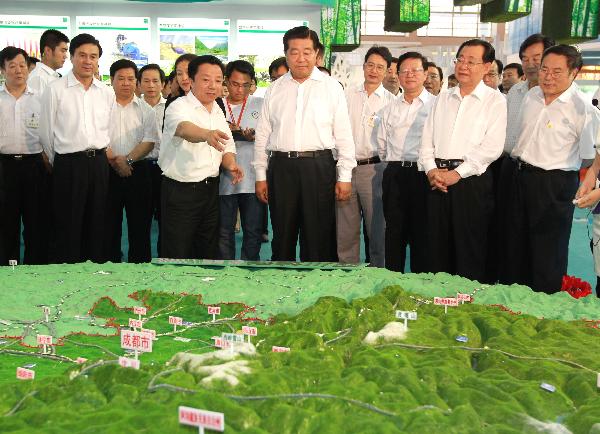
pixel 405 191
pixel 80 192
pixel 190 219
pixel 493 256
pixel 134 193
pixel 302 203
pixel 26 199
pixel 156 180
pixel 538 222
pixel 251 216
pixel 3 256
pixel 457 226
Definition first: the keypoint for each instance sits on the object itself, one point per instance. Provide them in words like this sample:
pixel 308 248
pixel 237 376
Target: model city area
pixel 180 347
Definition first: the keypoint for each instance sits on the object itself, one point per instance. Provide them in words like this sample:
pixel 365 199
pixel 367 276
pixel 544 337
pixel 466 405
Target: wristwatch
pixel 129 161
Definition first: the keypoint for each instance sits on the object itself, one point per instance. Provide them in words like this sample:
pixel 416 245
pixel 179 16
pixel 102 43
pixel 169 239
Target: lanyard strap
pixel 241 112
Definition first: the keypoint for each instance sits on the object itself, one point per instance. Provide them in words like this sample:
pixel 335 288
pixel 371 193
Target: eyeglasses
pixel 239 85
pixel 378 68
pixel 556 73
pixel 410 71
pixel 491 75
pixel 468 63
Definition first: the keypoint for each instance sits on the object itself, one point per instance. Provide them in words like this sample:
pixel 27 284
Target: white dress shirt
pixel 244 149
pixel 41 76
pixel 401 127
pixel 470 128
pixel 159 112
pixel 74 119
pixel 558 135
pixel 307 116
pixel 514 99
pixel 19 123
pixel 364 117
pixel 184 161
pixel 131 125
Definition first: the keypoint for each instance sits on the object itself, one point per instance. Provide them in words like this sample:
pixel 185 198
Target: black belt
pixel 301 154
pixel 522 165
pixel 90 153
pixel 371 160
pixel 19 157
pixel 152 161
pixel 402 163
pixel 447 164
pixel 209 180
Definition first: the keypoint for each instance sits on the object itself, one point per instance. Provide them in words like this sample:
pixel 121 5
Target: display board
pixel 178 36
pixel 120 38
pixel 261 41
pixel 24 31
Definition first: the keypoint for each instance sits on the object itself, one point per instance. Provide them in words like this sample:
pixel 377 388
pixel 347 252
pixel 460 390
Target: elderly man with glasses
pixel 463 134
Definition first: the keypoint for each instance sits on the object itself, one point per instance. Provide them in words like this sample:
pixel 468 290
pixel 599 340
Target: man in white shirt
pixel 304 116
pixel 530 53
pixel 24 173
pixel 405 186
pixel 74 132
pixel 364 103
pixel 133 133
pixel 242 111
pixel 390 81
pixel 463 134
pixel 435 78
pixel 557 130
pixel 152 81
pixel 196 143
pixel 494 77
pixel 54 46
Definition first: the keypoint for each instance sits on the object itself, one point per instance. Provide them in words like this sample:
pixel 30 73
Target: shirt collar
pixel 46 69
pixel 567 94
pixel 314 75
pixel 72 81
pixel 479 92
pixel 28 90
pixel 191 99
pixel 380 91
pixel 424 96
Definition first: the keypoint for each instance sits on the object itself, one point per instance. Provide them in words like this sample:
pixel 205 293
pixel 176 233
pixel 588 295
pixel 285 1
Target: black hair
pixel 52 38
pixel 276 64
pixel 320 49
pixel 152 67
pixel 412 55
pixel 384 52
pixel 171 76
pixel 201 60
pixel 489 54
pixel 122 64
pixel 300 32
pixel 536 38
pixel 9 53
pixel 574 59
pixel 516 66
pixel 187 56
pixel 82 39
pixel 433 65
pixel 32 61
pixel 500 66
pixel 451 77
pixel 324 70
pixel 241 66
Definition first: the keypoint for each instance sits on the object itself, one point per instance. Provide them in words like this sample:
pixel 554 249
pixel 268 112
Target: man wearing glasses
pixel 404 185
pixel 493 78
pixel 435 76
pixel 557 130
pixel 463 134
pixel 364 103
pixel 242 111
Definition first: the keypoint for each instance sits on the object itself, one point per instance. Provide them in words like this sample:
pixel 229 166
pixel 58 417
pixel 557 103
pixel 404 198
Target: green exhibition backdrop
pixel 406 16
pixel 340 27
pixel 579 24
pixel 501 11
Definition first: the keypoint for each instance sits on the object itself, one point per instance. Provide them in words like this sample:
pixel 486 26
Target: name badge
pixel 372 120
pixel 32 122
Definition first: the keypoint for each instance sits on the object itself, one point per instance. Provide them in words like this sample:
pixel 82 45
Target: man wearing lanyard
pixel 152 81
pixel 242 115
pixel 196 143
pixel 54 46
pixel 132 136
pixel 557 130
pixel 304 116
pixel 463 134
pixel 74 131
pixel 23 166
pixel 364 101
pixel 405 186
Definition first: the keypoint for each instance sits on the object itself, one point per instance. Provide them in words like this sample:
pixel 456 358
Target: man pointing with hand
pixel 303 118
pixel 196 143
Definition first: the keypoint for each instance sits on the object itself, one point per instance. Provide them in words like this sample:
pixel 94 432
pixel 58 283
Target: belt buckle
pixel 406 164
pixel 443 164
pixel 293 154
pixel 90 152
pixel 18 157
